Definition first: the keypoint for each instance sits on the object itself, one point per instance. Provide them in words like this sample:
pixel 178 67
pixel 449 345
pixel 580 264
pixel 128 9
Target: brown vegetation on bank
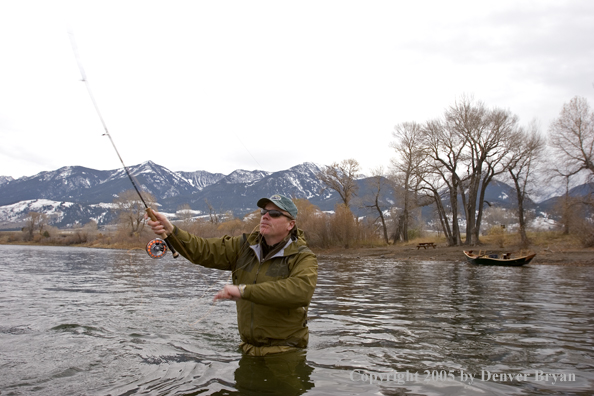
pixel 551 247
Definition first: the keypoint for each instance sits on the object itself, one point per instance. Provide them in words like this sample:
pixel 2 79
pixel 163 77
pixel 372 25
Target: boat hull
pixel 486 260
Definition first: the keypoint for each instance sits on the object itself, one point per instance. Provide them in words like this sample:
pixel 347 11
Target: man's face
pixel 275 229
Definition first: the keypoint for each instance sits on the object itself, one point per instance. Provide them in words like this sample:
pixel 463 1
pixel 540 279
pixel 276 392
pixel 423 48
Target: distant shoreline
pixel 548 255
pixel 544 255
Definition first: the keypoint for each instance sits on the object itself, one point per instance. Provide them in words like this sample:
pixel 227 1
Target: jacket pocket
pixel 278 268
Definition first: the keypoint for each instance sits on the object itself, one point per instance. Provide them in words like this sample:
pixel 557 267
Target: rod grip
pixel 151 214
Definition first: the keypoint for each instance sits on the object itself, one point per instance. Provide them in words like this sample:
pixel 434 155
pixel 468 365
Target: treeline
pixel 448 163
pixel 322 230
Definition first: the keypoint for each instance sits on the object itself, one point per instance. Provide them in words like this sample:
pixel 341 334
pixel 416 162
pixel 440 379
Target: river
pixel 77 321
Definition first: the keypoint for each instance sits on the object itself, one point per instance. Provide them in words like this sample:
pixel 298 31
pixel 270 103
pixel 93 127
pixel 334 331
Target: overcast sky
pixel 225 85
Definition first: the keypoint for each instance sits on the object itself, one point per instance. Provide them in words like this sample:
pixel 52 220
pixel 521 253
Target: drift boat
pixel 494 259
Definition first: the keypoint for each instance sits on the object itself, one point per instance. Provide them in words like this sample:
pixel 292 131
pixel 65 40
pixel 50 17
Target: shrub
pixel 497 234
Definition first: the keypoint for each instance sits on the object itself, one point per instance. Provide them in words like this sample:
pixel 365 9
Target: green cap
pixel 282 202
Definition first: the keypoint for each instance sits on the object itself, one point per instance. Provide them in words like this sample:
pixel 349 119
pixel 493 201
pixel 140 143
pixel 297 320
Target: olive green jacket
pixel 279 288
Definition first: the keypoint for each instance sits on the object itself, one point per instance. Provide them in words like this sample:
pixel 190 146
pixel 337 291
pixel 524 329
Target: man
pixel 274 275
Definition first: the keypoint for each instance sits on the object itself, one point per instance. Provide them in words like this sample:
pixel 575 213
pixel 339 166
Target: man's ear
pixel 291 224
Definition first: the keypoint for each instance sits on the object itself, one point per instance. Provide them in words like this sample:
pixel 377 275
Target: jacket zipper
pixel 252 304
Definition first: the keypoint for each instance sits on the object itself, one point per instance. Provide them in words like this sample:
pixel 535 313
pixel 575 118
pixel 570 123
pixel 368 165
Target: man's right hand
pixel 162 226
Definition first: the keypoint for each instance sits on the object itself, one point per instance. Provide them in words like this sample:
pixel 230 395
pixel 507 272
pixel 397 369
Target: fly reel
pixel 156 248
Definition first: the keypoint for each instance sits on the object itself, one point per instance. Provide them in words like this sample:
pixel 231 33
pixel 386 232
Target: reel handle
pixel 151 214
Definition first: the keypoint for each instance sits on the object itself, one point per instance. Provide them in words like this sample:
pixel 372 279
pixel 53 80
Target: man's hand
pixel 229 292
pixel 162 226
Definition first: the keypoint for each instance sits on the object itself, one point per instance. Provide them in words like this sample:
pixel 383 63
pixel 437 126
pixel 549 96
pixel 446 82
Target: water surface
pixel 104 322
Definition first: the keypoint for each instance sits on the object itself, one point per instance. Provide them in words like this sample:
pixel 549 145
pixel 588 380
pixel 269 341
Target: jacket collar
pixel 294 240
pixel 257 248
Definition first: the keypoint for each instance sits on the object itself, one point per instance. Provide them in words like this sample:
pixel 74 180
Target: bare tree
pixel 527 150
pixel 571 141
pixel 406 165
pixel 463 152
pixel 571 137
pixel 131 210
pixel 492 147
pixel 212 213
pixel 444 149
pixel 341 177
pixel 434 189
pixel 481 141
pixel 35 221
pixel 376 183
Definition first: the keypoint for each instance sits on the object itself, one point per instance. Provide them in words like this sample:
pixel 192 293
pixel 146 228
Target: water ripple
pixel 82 321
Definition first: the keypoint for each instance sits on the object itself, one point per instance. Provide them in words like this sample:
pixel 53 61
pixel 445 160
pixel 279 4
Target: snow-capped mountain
pixel 5 179
pixel 90 186
pixel 60 214
pixel 75 194
pixel 582 190
pixel 239 191
pixel 70 183
pixel 242 176
pixel 201 179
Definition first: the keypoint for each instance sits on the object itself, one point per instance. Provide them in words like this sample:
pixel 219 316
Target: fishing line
pixel 246 149
pixel 154 248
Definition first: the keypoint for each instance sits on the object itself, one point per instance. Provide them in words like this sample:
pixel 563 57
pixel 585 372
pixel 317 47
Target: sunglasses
pixel 274 213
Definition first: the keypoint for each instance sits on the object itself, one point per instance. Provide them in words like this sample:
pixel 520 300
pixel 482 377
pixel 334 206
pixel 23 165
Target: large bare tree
pixel 571 137
pixel 491 148
pixel 35 221
pixel 342 178
pixel 487 135
pixel 131 210
pixel 445 154
pixel 433 185
pixel 527 150
pixel 405 166
pixel 464 151
pixel 571 140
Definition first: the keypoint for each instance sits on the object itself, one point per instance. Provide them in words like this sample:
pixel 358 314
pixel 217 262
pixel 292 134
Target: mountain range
pixel 75 195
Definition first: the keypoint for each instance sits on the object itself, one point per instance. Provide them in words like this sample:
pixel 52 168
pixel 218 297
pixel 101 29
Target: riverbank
pixel 545 255
pixel 550 249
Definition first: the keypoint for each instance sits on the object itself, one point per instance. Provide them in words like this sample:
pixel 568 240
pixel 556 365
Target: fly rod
pixel 155 248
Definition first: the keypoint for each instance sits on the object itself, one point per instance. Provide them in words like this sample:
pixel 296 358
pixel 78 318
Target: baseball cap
pixel 282 202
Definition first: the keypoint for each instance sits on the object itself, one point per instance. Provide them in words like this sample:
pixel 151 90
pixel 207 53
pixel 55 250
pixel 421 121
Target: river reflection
pixel 282 374
pixel 102 322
